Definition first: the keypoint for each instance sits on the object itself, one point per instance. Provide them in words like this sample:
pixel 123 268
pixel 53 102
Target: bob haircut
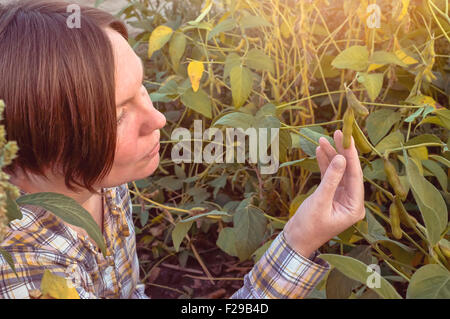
pixel 58 85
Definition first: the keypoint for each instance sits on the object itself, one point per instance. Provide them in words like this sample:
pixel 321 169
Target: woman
pixel 77 108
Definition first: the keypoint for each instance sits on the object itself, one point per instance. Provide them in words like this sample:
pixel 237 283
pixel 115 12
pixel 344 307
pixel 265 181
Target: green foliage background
pixel 286 64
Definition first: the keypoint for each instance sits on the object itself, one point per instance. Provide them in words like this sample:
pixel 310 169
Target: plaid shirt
pixel 41 241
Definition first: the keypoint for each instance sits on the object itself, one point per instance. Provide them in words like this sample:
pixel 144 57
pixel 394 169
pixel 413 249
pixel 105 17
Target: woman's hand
pixel 336 204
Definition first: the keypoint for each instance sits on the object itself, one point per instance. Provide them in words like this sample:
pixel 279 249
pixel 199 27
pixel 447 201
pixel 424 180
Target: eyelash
pixel 121 117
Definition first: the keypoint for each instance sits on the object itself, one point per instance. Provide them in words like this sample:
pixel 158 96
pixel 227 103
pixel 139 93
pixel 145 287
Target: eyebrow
pixel 131 98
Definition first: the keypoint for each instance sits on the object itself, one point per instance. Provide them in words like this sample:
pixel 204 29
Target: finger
pixel 332 177
pixel 322 160
pixel 353 176
pixel 327 148
pixel 351 155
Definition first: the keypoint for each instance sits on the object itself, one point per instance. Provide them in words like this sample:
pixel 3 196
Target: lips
pixel 153 151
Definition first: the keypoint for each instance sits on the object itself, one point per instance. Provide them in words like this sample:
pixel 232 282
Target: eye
pixel 122 115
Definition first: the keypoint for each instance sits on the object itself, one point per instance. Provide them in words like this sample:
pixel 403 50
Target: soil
pixel 169 275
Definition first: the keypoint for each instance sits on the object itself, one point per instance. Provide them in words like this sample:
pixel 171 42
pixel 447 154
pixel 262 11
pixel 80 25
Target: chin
pixel 151 165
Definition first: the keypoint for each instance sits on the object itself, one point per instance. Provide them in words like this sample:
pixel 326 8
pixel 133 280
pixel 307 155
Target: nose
pixel 154 120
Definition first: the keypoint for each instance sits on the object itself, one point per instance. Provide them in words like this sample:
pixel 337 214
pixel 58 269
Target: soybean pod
pixel 355 104
pixel 360 141
pixel 407 219
pixel 349 118
pixel 394 180
pixel 394 216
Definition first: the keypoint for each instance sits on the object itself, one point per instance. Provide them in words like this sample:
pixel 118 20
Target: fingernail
pixel 338 161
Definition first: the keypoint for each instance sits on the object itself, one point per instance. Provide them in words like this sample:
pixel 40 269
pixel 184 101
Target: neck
pixel 37 184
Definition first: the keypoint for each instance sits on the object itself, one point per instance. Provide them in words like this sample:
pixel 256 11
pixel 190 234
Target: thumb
pixel 333 176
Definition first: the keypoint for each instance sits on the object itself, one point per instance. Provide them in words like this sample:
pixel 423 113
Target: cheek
pixel 126 150
pixel 128 158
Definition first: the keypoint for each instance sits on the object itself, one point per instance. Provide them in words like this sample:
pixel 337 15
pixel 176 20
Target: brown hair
pixel 58 85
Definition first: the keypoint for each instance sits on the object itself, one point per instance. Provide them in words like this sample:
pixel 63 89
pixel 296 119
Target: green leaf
pixel 377 170
pixel 258 60
pixel 327 69
pixel 241 85
pixel 249 228
pixel 285 144
pixel 227 241
pixel 357 270
pixel 423 138
pixel 438 172
pixel 224 26
pixel 374 228
pixel 179 232
pixel 12 210
pixel 307 163
pixel 213 212
pixel 143 216
pixel 338 285
pixel 306 145
pixel 236 120
pixel 68 210
pixel 199 194
pixel 429 282
pixel 203 14
pixel 383 57
pixel 253 22
pixel 411 118
pixel 431 204
pixel 170 88
pixel 231 61
pixel 444 116
pixel 380 122
pixel 372 83
pixel 440 159
pixel 261 250
pixel 170 182
pixel 159 97
pixel 7 256
pixel 393 140
pixel 218 183
pixel 354 58
pixel 198 101
pixel 177 47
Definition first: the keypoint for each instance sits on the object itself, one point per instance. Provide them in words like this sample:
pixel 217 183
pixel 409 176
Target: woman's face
pixel 137 149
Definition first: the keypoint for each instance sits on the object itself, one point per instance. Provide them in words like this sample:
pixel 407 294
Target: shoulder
pixel 38 228
pixel 40 238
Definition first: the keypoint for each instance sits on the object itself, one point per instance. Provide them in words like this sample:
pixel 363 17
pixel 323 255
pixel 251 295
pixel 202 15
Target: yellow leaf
pixel 157 219
pixel 424 100
pixel 160 36
pixel 57 287
pixel 405 58
pixel 374 66
pixel 420 153
pixel 285 30
pixel 195 72
pixel 405 5
pixel 402 55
